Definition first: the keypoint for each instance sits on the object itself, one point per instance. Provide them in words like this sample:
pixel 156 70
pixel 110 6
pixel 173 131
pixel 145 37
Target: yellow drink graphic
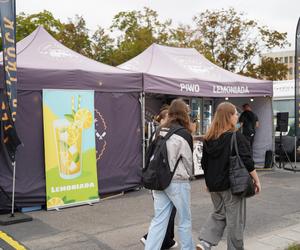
pixel 70 152
pixel 68 139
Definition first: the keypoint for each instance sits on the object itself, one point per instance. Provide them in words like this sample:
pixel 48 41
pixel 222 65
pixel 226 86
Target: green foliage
pixel 102 46
pixel 269 69
pixel 75 36
pixel 26 24
pixel 232 41
pixel 139 29
pixel 293 247
pixel 225 37
pixel 185 37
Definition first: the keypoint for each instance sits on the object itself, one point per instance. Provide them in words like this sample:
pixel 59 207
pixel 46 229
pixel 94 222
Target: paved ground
pixel 273 219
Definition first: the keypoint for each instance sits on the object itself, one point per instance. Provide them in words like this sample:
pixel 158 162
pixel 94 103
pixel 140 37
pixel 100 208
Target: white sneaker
pixel 143 240
pixel 199 247
pixel 175 245
pixel 203 245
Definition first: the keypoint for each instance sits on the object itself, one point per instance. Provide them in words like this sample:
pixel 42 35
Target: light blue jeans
pixel 177 194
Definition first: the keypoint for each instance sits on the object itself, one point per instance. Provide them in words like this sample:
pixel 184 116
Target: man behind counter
pixel 249 123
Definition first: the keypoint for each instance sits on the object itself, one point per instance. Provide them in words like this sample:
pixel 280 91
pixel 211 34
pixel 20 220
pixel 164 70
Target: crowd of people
pixel 229 211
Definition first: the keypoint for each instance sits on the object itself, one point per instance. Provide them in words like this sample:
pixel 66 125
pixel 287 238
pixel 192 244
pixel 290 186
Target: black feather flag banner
pixel 10 139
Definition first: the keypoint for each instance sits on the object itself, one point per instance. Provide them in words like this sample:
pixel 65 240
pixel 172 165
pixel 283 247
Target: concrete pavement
pixel 273 219
pixel 275 240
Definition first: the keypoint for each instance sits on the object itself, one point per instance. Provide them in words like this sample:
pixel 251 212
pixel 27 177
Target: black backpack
pixel 157 174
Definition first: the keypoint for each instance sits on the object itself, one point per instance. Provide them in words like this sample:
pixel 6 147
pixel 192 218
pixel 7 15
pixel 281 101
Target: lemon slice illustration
pixel 85 117
pixel 73 134
pixel 55 201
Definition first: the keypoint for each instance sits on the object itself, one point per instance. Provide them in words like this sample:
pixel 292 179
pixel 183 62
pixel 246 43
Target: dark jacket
pixel 249 119
pixel 215 160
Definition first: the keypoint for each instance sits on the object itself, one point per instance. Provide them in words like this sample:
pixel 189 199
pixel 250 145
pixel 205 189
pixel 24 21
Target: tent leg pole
pixel 295 151
pixel 143 126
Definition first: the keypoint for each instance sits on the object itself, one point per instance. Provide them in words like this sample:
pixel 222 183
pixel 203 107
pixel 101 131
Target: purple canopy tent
pixel 44 63
pixel 185 72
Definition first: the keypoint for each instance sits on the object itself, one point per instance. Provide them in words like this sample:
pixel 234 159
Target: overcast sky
pixel 276 14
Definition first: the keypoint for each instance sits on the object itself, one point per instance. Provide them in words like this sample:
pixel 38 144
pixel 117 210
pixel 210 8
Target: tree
pixel 26 24
pixel 75 36
pixel 232 41
pixel 139 29
pixel 184 36
pixel 102 46
pixel 269 69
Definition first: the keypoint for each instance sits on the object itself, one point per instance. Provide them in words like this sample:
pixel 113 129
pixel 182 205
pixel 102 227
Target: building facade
pixel 285 57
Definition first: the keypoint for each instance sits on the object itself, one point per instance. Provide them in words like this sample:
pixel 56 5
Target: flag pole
pixel 13 190
pixel 14 162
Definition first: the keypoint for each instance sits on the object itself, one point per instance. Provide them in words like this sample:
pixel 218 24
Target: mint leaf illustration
pixel 63 144
pixel 76 157
pixel 64 199
pixel 69 117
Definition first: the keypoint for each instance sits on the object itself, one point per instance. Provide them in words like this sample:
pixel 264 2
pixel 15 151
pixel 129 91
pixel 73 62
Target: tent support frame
pixel 142 98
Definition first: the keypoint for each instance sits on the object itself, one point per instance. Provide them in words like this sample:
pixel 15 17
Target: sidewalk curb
pixel 275 240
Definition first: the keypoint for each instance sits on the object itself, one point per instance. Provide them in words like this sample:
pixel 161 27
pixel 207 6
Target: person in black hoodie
pixel 229 210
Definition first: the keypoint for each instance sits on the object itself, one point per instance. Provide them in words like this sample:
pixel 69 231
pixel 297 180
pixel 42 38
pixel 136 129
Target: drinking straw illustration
pixel 73 105
pixel 79 101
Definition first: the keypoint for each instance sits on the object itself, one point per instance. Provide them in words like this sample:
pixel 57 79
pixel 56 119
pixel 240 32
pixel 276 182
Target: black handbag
pixel 241 182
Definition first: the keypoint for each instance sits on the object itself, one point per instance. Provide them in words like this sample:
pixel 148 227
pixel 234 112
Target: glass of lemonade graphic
pixel 68 140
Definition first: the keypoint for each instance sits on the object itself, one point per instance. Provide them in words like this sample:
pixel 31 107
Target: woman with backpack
pixel 177 194
pixel 168 241
pixel 229 210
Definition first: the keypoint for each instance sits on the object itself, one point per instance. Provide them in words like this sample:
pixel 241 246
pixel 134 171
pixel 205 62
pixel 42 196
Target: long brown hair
pixel 178 114
pixel 221 121
pixel 162 113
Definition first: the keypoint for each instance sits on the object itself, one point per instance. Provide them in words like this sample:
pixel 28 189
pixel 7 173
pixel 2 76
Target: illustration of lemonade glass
pixel 68 139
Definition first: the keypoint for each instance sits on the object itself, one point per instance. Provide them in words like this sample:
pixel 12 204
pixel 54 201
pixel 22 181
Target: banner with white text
pixel 8 97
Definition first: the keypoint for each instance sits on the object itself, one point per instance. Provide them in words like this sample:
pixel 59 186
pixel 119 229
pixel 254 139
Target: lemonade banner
pixel 70 153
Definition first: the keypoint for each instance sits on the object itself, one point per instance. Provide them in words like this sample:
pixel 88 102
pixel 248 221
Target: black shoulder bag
pixel 241 182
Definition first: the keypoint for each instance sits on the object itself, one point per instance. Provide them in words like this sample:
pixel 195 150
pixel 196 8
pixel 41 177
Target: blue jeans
pixel 177 194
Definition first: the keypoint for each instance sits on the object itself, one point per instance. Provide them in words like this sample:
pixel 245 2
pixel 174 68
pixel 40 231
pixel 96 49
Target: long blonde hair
pixel 178 113
pixel 221 121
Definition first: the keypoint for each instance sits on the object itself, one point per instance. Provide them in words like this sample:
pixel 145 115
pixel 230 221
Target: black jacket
pixel 215 160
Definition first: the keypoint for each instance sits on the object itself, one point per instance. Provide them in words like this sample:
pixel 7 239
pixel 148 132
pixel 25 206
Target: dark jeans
pixel 169 237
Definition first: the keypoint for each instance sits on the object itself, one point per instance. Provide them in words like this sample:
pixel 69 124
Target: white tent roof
pixel 169 67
